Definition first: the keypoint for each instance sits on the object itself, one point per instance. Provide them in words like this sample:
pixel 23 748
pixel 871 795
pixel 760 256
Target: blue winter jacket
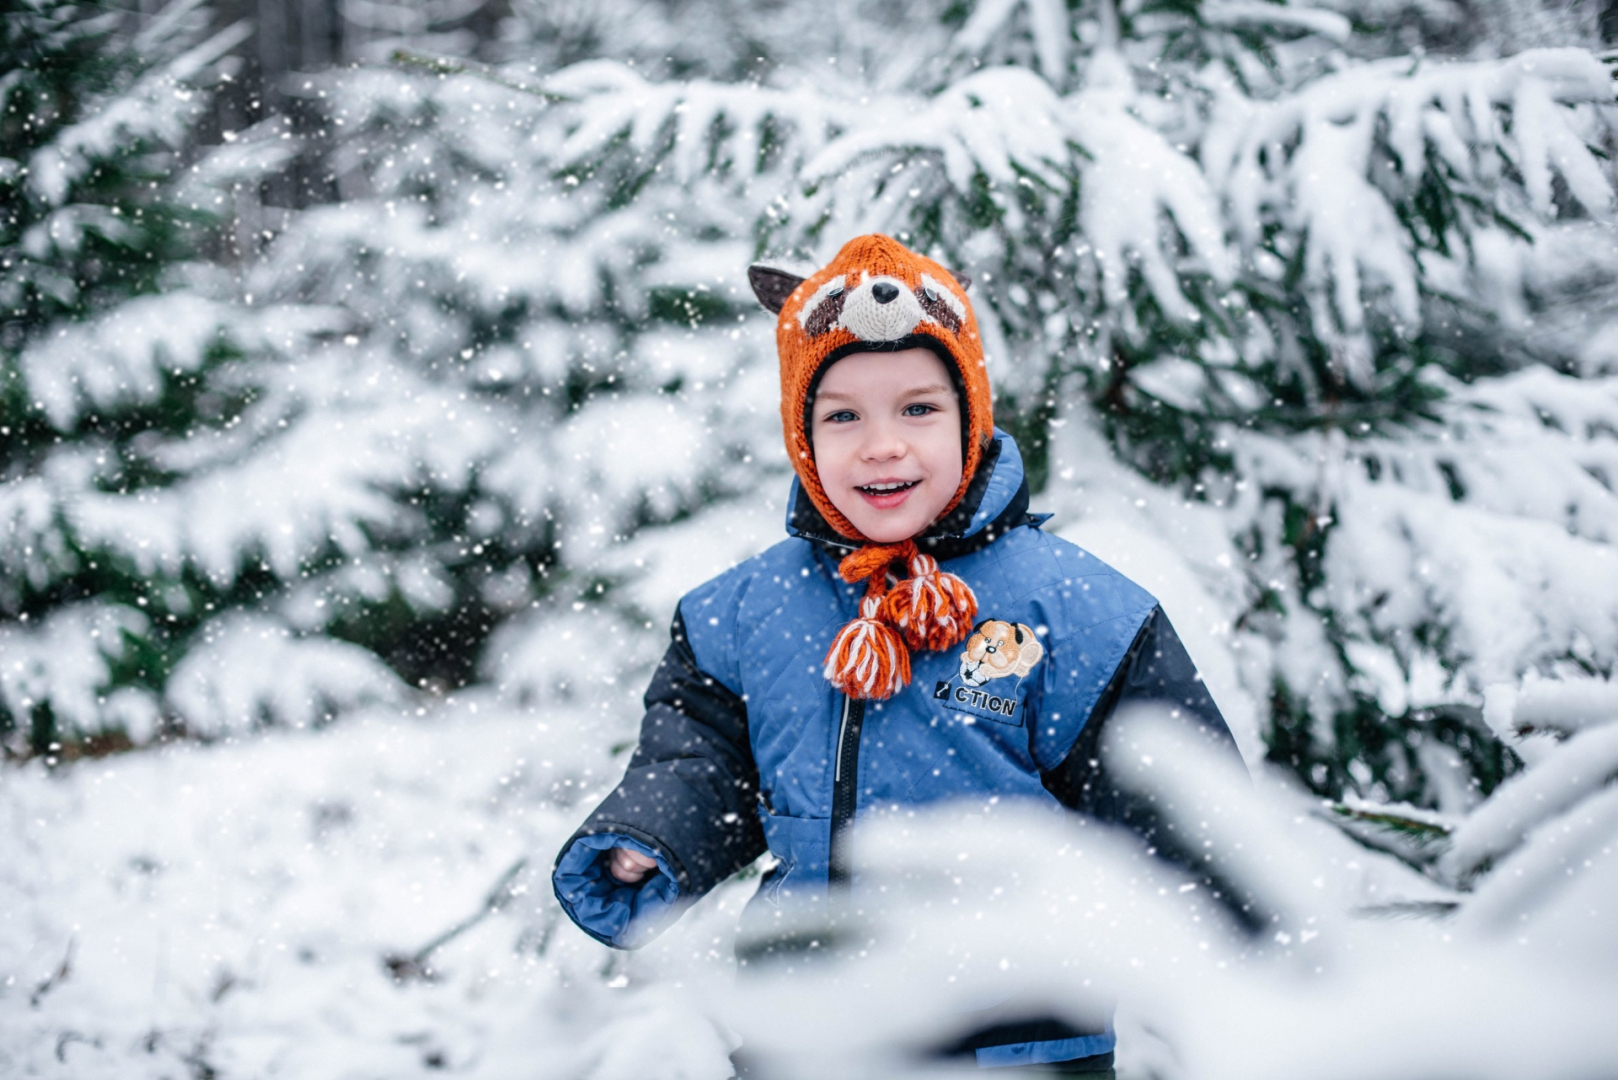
pixel 745 746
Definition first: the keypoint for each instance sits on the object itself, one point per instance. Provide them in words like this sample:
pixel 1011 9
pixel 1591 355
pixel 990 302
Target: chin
pixel 889 530
pixel 895 526
pixel 893 534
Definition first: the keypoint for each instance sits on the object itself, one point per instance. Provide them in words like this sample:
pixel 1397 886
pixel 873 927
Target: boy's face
pixel 886 428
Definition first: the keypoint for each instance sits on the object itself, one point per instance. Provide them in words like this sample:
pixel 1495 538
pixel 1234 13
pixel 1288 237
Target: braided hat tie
pixel 930 609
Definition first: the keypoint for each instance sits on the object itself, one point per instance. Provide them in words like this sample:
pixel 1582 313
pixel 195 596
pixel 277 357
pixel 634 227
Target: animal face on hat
pixel 881 308
pixel 876 296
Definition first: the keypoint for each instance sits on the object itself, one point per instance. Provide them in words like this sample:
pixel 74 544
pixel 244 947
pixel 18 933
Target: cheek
pixel 942 454
pixel 832 465
pixel 824 446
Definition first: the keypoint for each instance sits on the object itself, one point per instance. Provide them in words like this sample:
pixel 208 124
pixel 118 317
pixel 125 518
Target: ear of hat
pixel 878 295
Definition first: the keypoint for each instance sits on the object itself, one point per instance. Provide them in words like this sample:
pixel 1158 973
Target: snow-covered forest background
pixel 375 376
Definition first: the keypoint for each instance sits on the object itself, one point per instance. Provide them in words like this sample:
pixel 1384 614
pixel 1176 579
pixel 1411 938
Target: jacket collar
pixel 995 502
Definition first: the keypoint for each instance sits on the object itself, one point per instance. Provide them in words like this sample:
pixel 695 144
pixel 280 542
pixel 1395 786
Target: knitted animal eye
pixel 822 311
pixel 944 309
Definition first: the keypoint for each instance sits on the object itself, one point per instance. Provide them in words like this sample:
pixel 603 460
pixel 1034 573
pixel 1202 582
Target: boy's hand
pixel 630 867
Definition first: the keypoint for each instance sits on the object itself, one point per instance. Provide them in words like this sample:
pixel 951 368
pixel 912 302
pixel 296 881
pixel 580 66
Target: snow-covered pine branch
pixel 1543 822
pixel 1514 466
pixel 1372 183
pixel 158 111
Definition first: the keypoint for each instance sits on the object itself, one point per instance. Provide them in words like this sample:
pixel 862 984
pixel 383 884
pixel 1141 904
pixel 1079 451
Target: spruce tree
pixel 122 357
pixel 80 230
pixel 1299 281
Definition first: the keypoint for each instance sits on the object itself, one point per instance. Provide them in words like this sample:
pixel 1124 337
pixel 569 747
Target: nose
pixel 883 441
pixel 884 292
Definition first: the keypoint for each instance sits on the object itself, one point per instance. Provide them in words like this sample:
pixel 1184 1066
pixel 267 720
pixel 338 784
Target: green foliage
pixel 82 220
pixel 97 103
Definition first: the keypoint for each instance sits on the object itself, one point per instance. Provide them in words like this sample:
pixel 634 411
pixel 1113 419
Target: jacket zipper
pixel 845 787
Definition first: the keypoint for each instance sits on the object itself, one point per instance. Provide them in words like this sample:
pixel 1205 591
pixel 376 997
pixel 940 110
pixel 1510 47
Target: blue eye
pixel 919 409
pixel 842 416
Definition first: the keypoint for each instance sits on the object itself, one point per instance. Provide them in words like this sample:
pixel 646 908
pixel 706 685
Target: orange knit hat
pixel 879 296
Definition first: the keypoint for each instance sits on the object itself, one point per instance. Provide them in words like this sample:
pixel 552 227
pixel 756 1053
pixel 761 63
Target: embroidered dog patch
pixel 996 650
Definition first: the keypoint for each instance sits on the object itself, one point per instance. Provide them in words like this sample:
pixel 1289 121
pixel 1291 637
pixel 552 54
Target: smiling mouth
pixel 887 489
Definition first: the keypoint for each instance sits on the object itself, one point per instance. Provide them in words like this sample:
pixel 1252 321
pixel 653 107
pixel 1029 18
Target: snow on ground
pixel 226 911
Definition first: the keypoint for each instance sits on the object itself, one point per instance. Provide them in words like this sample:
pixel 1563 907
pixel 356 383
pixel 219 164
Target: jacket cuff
pixel 614 913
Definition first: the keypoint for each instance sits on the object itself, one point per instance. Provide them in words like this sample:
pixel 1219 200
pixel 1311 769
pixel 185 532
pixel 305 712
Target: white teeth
pixel 885 488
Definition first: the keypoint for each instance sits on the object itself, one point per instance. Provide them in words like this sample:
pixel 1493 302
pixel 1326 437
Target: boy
pixel 917 638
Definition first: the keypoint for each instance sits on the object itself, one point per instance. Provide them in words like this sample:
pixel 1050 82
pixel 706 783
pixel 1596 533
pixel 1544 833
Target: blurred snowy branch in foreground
pixel 1294 951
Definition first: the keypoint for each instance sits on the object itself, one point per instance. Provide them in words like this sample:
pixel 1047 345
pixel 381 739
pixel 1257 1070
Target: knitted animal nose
pixel 884 292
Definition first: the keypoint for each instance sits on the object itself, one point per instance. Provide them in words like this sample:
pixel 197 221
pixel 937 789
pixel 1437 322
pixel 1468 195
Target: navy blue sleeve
pixel 689 797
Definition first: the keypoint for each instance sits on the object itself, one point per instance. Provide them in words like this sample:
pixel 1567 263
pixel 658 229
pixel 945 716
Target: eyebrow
pixel 918 391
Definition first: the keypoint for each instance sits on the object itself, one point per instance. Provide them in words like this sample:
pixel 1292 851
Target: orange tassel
pixel 867 659
pixel 932 609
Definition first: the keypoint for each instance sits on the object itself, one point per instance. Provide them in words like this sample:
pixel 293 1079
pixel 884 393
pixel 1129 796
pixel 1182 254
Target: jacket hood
pixel 996 500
